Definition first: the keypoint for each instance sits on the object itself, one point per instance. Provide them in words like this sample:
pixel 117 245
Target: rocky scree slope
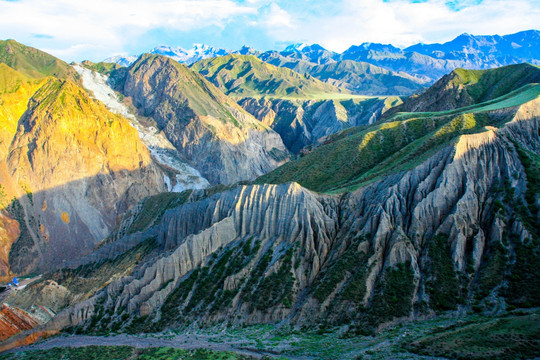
pixel 456 229
pixel 213 134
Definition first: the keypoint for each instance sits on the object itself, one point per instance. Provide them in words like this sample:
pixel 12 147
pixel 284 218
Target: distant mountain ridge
pixel 422 64
pixel 184 56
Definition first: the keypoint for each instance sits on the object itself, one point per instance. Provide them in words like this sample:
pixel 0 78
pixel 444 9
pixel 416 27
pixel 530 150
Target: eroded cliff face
pixel 301 123
pixel 460 229
pixel 214 135
pixel 72 169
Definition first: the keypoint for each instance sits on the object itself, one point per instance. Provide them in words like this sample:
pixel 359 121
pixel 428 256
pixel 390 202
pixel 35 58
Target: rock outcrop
pixel 13 321
pixel 215 136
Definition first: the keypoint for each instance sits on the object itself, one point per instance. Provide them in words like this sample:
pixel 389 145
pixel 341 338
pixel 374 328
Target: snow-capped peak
pixel 296 47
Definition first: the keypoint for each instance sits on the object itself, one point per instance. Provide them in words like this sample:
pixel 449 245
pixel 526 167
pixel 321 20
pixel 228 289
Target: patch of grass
pixel 393 294
pixel 123 353
pixel 508 337
pixel 349 265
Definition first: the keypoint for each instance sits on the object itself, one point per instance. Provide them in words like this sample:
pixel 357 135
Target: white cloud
pixel 403 23
pixel 276 17
pixel 99 28
pixel 106 24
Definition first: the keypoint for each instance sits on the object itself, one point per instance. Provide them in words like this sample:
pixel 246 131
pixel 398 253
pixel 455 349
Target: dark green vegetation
pixel 153 208
pixel 33 62
pixel 393 294
pixel 245 75
pixel 514 336
pixel 443 285
pixel 203 290
pixel 122 353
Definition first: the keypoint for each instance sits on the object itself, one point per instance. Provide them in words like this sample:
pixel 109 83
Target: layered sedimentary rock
pixel 13 321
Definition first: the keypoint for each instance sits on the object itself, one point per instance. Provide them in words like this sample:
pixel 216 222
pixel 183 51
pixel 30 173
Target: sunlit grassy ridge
pixel 359 155
pixel 484 85
pixel 16 89
pixel 34 63
pixel 465 88
pixel 246 75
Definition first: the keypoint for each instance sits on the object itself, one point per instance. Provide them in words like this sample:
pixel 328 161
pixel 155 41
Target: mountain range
pixel 418 64
pixel 256 201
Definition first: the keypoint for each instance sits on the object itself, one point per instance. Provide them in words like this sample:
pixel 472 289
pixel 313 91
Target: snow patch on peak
pixel 123 60
pixel 296 47
pixel 198 52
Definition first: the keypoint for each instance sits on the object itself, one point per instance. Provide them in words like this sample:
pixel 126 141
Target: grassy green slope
pixel 246 75
pixel 123 353
pixel 463 88
pixel 10 79
pixel 359 155
pixel 34 63
pixel 484 85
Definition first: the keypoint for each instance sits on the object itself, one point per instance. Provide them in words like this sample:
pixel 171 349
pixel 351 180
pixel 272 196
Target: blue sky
pixel 77 30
